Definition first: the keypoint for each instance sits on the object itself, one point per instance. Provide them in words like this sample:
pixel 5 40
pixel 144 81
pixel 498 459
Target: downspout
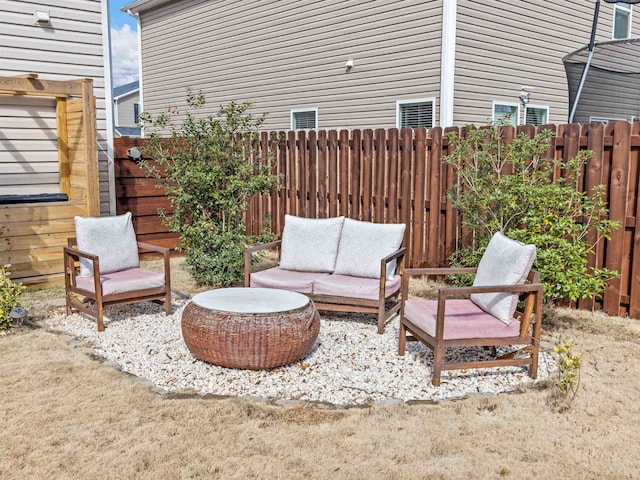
pixel 108 103
pixel 448 62
pixel 141 102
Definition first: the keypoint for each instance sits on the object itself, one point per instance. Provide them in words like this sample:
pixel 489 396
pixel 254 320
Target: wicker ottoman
pixel 251 328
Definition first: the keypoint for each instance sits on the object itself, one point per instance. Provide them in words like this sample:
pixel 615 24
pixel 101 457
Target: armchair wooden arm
pixel 166 256
pixel 248 251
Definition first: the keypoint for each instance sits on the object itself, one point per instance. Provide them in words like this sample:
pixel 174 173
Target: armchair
pixel 486 317
pixel 102 264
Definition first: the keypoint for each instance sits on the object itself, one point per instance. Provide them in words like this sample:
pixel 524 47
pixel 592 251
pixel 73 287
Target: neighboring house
pixel 62 40
pixel 126 110
pixel 369 63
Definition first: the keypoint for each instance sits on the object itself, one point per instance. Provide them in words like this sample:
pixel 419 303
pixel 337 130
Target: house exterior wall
pixel 502 46
pixel 71 47
pixel 291 55
pixel 124 106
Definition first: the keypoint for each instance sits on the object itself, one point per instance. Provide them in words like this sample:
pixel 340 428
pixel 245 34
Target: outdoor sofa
pixel 342 264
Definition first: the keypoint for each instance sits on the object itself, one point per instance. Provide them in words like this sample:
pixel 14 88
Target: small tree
pixel 509 187
pixel 209 170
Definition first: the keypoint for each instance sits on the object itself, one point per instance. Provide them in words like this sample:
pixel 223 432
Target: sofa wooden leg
pixel 402 339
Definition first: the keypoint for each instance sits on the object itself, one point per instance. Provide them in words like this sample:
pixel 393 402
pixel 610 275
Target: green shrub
pixel 10 292
pixel 509 187
pixel 209 177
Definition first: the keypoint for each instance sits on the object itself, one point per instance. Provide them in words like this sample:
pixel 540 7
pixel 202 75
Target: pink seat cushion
pixel 358 287
pixel 130 280
pixel 463 319
pixel 277 277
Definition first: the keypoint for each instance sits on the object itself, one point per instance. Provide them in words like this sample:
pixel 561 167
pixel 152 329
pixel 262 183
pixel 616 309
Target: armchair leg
pixel 99 315
pixel 167 304
pixel 438 358
pixel 69 310
pixel 402 340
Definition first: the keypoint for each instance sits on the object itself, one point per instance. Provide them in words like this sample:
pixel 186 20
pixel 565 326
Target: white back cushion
pixel 310 244
pixel 364 244
pixel 505 262
pixel 111 238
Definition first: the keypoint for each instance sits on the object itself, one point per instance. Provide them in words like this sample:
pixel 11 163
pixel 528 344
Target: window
pixel 622 20
pixel 605 119
pixel 506 113
pixel 304 119
pixel 136 113
pixel 415 113
pixel 536 115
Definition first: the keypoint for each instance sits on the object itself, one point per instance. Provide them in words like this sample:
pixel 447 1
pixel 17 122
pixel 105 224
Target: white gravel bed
pixel 350 363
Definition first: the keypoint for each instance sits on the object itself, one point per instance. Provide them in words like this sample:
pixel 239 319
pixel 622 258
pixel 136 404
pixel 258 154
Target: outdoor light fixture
pixel 134 154
pixel 42 17
pixel 525 94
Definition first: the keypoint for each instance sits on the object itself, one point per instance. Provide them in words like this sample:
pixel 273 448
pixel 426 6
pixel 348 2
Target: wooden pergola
pixel 33 233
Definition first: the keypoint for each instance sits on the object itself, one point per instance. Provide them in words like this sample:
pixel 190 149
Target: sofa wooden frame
pixel 72 257
pixel 347 304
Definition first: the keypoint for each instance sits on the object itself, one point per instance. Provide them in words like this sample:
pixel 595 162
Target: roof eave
pixel 130 92
pixel 142 5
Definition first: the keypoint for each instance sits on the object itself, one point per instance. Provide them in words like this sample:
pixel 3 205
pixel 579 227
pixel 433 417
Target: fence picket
pixel 618 187
pixel 344 173
pixel 435 196
pixel 380 159
pixel 367 173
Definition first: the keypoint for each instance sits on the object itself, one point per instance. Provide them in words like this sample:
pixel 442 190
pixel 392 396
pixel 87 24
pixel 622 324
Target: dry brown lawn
pixel 65 415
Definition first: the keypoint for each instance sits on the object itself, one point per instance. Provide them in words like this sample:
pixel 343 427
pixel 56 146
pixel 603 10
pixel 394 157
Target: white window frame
pixel 299 110
pixel 629 10
pixel 510 104
pixel 606 120
pixel 540 107
pixel 399 103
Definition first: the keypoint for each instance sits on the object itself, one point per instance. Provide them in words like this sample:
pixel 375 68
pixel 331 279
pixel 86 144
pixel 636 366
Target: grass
pixel 66 415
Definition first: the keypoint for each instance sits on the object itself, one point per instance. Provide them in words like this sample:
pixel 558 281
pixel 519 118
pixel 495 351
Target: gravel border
pixel 349 365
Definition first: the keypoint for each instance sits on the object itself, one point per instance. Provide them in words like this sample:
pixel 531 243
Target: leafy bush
pixel 509 187
pixel 10 292
pixel 209 171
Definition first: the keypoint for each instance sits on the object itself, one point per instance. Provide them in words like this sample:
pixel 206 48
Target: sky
pixel 124 44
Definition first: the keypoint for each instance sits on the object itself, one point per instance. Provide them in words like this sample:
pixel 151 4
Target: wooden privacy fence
pixel 397 175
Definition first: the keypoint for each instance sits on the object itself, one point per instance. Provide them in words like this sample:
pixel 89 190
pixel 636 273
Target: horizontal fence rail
pixel 398 176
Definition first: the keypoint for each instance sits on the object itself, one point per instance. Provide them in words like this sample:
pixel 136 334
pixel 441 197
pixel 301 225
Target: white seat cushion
pixel 130 280
pixel 310 244
pixel 111 238
pixel 355 287
pixel 301 282
pixel 505 262
pixel 363 245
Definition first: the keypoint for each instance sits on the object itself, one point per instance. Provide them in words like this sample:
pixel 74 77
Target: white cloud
pixel 124 55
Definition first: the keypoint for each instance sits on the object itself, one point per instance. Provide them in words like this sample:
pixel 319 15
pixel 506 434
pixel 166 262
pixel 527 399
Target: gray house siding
pixel 502 46
pixel 70 48
pixel 28 146
pixel 285 56
pixel 125 111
